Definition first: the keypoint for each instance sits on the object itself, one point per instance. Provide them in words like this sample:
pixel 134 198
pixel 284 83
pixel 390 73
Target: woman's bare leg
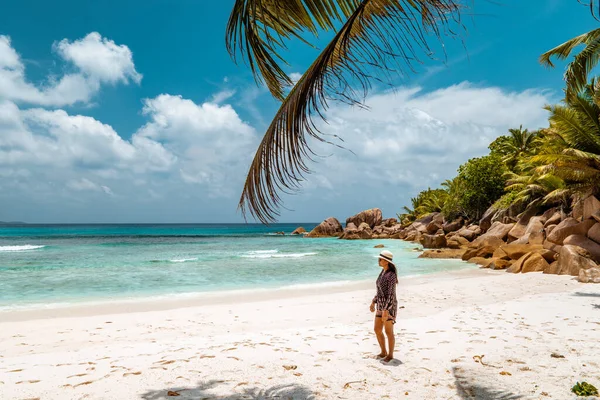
pixel 389 332
pixel 380 338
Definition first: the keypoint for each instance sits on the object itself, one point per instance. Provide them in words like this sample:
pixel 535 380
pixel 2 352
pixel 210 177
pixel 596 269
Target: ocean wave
pixel 180 260
pixel 290 255
pixel 263 252
pixel 25 247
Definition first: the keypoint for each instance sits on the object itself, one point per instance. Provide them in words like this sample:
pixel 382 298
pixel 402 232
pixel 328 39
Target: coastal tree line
pixel 552 166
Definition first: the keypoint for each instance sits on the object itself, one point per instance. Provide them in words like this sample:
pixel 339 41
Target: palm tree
pixel 572 143
pixel 426 202
pixel 531 188
pixel 374 40
pixel 520 143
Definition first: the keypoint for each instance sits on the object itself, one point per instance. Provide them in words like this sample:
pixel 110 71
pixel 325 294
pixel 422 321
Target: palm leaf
pixel 594 6
pixel 557 196
pixel 578 70
pixel 377 30
pixel 578 130
pixel 257 30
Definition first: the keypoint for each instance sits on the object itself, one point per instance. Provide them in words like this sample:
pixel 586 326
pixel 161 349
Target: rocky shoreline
pixel 549 241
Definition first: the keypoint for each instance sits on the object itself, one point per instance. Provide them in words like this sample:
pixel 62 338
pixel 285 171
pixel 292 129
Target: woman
pixel 387 305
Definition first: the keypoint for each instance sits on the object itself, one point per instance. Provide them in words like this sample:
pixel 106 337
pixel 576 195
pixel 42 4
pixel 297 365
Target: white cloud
pixel 408 140
pixel 187 155
pixel 186 150
pixel 8 56
pixel 107 190
pixel 96 60
pixel 211 141
pixel 295 77
pixel 82 184
pixel 221 96
pixel 100 58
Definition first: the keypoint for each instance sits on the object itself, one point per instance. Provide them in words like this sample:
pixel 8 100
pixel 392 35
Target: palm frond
pixel 577 72
pixel 257 30
pixel 557 196
pixel 594 6
pixel 577 130
pixel 378 31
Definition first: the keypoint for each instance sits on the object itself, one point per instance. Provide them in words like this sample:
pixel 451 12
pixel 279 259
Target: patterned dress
pixel 386 294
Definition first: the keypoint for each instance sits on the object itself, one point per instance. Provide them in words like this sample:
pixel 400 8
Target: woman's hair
pixel 392 267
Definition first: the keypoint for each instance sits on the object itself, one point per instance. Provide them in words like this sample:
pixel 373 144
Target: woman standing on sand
pixel 387 305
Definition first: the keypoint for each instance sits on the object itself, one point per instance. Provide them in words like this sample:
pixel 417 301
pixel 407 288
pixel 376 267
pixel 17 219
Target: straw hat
pixel 387 256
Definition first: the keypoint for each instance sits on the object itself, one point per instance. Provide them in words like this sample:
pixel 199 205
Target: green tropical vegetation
pixel 550 167
pixel 584 389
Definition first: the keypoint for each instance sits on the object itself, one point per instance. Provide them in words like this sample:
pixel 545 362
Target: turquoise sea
pixel 51 265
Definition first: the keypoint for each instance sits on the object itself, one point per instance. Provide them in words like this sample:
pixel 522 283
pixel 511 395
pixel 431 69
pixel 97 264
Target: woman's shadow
pixel 392 363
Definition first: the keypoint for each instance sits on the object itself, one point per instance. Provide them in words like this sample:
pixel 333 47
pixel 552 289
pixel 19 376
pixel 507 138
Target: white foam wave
pixel 25 247
pixel 180 260
pixel 263 252
pixel 290 255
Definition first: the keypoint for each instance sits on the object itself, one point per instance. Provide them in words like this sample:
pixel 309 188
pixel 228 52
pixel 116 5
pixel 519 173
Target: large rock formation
pixel 467 233
pixel 591 275
pixel 443 253
pixel 497 230
pixel 364 231
pixel 582 241
pixel 329 227
pixel 484 248
pixel 453 226
pixel 389 222
pixel 517 266
pixel 515 251
pixel 554 219
pixel 481 261
pixel 520 227
pixel 498 263
pixel 569 227
pixel 434 241
pixel 594 233
pixel 529 262
pixel 571 260
pixel 504 215
pixel 486 221
pixel 535 263
pixel 413 236
pixel 591 206
pixel 371 217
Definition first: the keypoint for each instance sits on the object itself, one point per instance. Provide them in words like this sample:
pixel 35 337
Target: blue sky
pixel 133 111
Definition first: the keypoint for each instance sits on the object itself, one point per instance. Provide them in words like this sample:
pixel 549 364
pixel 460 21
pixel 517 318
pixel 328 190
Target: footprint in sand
pixel 32 381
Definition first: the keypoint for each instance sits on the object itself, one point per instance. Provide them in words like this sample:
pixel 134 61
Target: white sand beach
pixel 472 334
